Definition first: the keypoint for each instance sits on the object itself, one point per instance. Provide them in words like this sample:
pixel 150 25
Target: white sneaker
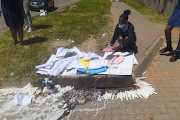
pixel 26 27
pixel 30 30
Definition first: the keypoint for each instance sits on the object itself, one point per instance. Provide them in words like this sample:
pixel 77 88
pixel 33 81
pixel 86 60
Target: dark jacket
pixel 178 5
pixel 130 43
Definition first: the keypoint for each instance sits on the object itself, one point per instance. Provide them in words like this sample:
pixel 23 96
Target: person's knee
pixel 120 40
pixel 168 29
pixel 126 38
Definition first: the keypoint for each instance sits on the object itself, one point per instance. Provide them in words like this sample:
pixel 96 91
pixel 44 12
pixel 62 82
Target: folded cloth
pixel 58 68
pixel 99 70
pixel 108 49
pixel 92 71
pixel 117 59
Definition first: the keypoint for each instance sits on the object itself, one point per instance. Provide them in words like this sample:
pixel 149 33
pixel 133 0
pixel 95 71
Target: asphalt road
pixel 58 3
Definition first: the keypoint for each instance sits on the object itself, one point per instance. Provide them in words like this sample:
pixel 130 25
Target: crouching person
pixel 124 33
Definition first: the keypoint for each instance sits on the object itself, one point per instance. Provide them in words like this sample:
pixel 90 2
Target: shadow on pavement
pixel 35 40
pixel 166 54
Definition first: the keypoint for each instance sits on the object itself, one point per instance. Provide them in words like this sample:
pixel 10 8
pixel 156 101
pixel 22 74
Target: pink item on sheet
pixel 117 59
pixel 108 49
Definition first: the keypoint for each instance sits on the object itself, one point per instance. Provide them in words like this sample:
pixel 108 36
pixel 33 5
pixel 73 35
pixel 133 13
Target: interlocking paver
pixel 108 117
pixel 164 77
pixel 139 116
pixel 116 117
pixel 123 117
pixel 163 106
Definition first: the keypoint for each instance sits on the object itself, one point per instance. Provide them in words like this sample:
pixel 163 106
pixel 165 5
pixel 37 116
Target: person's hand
pixel 116 48
pixel 28 2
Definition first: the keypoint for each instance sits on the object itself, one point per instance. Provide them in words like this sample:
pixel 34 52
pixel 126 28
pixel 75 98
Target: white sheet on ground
pixel 97 64
pixel 58 63
pixel 75 64
pixel 135 61
pixel 125 68
pixel 58 68
pixel 72 72
pixel 22 100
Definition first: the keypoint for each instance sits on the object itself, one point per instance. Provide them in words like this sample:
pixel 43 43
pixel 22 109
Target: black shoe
pixel 170 49
pixel 174 57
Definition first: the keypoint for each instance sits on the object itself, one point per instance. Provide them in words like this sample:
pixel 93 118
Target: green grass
pixel 151 14
pixel 87 20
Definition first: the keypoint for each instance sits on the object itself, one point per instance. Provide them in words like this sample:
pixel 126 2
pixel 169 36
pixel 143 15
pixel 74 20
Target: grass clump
pixel 88 19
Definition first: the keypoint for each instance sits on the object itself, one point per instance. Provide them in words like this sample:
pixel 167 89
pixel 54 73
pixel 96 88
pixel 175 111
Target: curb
pixel 91 82
pixel 147 57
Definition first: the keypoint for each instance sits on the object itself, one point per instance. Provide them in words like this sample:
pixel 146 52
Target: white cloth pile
pixel 66 62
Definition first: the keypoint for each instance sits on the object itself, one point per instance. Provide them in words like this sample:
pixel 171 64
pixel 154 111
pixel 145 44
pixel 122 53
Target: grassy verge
pixel 151 14
pixel 78 24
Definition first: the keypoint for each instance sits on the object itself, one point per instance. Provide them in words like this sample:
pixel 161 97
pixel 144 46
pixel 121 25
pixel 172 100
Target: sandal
pixel 21 45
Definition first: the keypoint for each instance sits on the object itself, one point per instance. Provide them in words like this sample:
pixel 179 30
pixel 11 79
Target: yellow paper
pixel 86 62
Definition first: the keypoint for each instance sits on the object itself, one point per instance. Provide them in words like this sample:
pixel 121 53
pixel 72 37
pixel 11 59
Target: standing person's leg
pixel 29 21
pixel 176 52
pixel 178 46
pixel 25 5
pixel 14 35
pixel 20 34
pixel 168 30
pixel 29 16
pixel 26 22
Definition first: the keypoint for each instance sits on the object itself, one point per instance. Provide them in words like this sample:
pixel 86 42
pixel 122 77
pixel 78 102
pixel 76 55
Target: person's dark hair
pixel 125 15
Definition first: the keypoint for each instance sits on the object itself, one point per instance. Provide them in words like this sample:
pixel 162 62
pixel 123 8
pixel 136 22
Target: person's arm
pixel 29 2
pixel 131 39
pixel 115 37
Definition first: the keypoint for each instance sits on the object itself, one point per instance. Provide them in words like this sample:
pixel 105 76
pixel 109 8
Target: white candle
pixel 132 94
pixel 121 96
pixel 126 95
pixel 141 93
pixel 135 94
pixel 138 94
pixel 113 96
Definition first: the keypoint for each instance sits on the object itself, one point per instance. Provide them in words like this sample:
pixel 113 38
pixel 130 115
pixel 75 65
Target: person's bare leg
pixel 14 35
pixel 120 40
pixel 168 30
pixel 20 34
pixel 176 52
pixel 178 46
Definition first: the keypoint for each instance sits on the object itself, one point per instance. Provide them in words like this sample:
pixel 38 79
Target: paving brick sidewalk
pixel 164 77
